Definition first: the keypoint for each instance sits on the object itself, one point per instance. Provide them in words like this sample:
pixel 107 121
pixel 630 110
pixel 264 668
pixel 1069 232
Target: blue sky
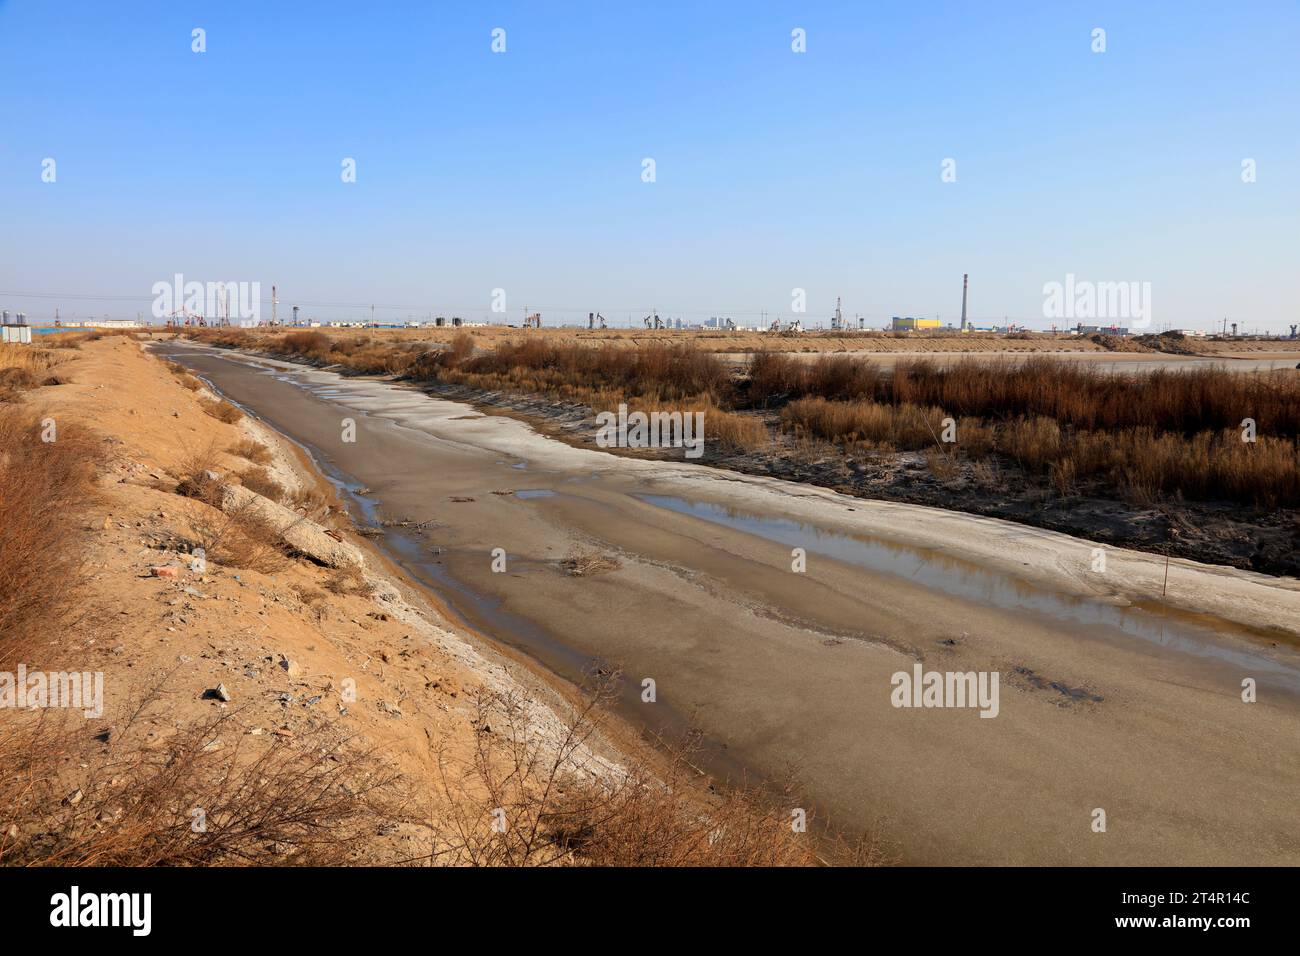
pixel 774 170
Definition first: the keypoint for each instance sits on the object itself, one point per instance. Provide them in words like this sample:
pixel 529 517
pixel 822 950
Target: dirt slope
pixel 285 647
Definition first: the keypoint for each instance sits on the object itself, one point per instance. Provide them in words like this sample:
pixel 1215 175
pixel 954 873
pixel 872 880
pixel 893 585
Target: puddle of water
pixel 535 493
pixel 954 577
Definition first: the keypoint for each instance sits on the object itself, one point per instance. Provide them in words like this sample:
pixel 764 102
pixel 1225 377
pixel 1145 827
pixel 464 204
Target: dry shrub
pixel 28 357
pixel 975 438
pixel 985 474
pixel 46 489
pixel 200 478
pixel 305 343
pixel 24 367
pixel 588 563
pixel 555 803
pixel 221 410
pixel 1061 476
pixel 183 375
pixel 775 378
pixel 1033 442
pixel 64 340
pixel 348 581
pixel 941 464
pixel 242 537
pixel 260 481
pixel 1077 396
pixel 906 427
pixel 306 801
pixel 657 373
pixel 309 503
pixel 251 450
pixel 734 432
pixel 462 347
pixel 14 381
pixel 309 595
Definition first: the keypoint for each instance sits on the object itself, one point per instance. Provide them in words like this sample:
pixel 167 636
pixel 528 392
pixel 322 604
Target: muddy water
pixel 1137 710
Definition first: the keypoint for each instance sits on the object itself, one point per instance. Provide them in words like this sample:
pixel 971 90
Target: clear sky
pixel 774 170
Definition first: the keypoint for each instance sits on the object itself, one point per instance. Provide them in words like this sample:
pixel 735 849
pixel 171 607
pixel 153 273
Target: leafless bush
pixel 242 537
pixel 199 475
pixel 208 797
pixel 521 800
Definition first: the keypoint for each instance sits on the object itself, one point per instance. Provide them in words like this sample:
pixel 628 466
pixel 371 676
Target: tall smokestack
pixel 965 279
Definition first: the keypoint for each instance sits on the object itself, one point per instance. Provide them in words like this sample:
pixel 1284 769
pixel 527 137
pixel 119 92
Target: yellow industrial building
pixel 910 324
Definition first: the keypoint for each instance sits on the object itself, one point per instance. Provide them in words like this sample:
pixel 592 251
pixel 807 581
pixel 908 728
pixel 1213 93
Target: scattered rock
pixel 166 571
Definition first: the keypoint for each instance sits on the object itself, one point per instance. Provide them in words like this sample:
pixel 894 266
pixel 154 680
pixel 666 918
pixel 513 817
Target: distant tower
pixel 965 279
pixel 274 302
pixel 295 315
pixel 837 320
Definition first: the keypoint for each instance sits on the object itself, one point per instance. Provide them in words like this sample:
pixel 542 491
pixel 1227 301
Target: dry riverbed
pixel 1112 697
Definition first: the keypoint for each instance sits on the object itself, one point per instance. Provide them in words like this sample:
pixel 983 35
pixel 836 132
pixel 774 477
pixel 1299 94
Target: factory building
pixel 910 324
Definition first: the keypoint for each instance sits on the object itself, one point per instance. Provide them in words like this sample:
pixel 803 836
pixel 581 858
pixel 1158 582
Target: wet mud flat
pixel 1240 536
pixel 1106 700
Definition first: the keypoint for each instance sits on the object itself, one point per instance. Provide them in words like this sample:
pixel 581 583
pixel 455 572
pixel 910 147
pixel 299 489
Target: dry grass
pixel 200 476
pixel 242 537
pixel 46 488
pixel 308 595
pixel 907 427
pixel 183 375
pixel 656 372
pixel 1074 395
pixel 587 563
pixel 348 581
pixel 207 798
pixel 24 367
pixel 260 481
pixel 734 432
pixel 309 503
pixel 251 450
pixel 221 410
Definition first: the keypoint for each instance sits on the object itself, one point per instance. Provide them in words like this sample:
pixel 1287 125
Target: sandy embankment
pixel 282 644
pixel 1108 701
